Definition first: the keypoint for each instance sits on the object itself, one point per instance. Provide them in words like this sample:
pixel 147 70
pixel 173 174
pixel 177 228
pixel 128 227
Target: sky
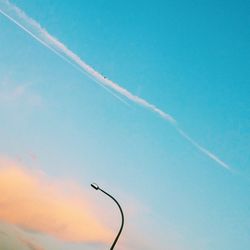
pixel 149 99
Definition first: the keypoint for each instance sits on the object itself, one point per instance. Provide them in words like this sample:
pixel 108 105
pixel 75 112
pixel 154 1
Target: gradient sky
pixel 189 58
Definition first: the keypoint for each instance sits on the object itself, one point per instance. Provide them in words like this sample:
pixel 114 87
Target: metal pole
pixel 96 187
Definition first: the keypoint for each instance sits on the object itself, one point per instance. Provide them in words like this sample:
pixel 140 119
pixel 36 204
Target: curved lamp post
pixel 96 187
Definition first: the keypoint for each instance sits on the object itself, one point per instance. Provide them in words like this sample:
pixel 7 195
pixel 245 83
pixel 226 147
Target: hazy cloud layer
pixel 31 200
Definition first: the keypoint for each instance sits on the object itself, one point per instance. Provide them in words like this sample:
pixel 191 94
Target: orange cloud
pixel 31 200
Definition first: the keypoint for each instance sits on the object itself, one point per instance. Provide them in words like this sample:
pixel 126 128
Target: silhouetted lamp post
pixel 96 187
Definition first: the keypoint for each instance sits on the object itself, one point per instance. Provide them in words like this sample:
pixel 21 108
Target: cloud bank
pixel 35 30
pixel 32 201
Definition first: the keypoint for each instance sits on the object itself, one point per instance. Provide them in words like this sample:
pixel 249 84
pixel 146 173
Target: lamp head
pixel 95 186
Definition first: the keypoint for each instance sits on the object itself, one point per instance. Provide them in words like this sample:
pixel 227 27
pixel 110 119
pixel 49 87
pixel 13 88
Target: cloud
pixel 32 201
pixel 11 93
pixel 35 30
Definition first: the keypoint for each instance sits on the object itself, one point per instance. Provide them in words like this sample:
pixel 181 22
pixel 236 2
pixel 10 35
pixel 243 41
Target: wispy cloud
pixel 35 30
pixel 31 200
pixel 11 92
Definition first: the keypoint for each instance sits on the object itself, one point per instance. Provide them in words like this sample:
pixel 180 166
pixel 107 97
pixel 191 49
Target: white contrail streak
pixel 59 48
pixel 34 29
pixel 202 149
pixel 60 55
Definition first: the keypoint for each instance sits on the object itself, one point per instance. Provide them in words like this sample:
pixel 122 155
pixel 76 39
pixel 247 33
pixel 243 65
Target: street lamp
pixel 96 187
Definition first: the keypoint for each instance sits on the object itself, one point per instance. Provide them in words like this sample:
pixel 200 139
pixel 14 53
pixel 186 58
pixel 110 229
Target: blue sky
pixel 191 60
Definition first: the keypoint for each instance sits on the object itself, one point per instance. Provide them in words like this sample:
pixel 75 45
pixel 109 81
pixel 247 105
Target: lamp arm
pixel 122 215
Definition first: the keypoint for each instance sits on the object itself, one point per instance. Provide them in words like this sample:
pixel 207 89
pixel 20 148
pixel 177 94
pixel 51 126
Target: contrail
pixel 202 149
pixel 35 30
pixel 57 53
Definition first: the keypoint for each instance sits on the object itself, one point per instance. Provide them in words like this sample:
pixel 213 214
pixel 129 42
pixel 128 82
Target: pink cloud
pixel 31 200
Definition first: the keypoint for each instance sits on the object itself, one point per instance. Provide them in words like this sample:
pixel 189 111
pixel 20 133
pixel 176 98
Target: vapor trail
pixel 59 54
pixel 202 149
pixel 35 30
